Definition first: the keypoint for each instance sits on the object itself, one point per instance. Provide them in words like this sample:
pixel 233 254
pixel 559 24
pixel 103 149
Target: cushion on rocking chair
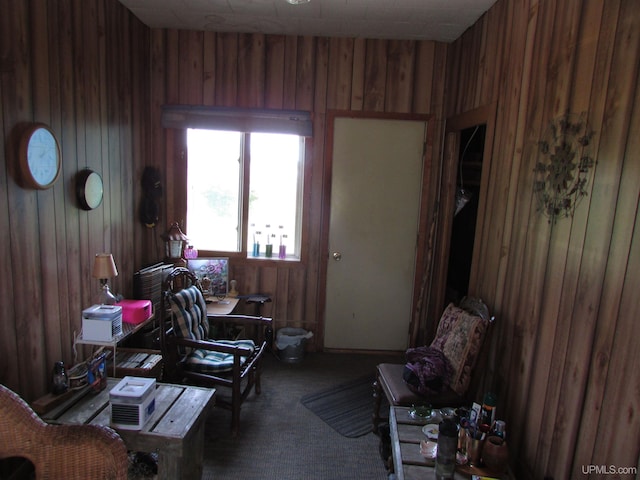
pixel 189 313
pixel 207 361
pixel 190 321
pixel 459 336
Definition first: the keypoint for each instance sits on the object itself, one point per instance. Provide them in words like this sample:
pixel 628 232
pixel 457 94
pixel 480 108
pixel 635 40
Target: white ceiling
pixel 441 20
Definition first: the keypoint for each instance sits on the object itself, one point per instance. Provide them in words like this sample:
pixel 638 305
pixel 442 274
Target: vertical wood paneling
pixel 171 150
pixel 564 294
pixel 433 204
pixel 322 78
pixel 422 89
pixel 61 346
pixel 592 16
pixel 400 73
pixel 150 247
pixel 549 334
pixel 600 225
pixel 559 291
pixel 13 56
pixel 618 397
pixel 357 77
pixel 340 72
pixel 492 52
pixel 7 329
pixel 209 68
pixel 554 333
pixel 70 250
pixel 305 71
pixel 274 76
pixel 290 72
pixel 190 69
pixel 23 214
pixel 496 230
pixel 47 220
pixel 251 75
pixel 375 75
pixel 226 69
pixel 56 67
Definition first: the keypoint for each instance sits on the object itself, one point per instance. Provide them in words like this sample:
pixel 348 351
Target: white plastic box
pixel 101 323
pixel 133 401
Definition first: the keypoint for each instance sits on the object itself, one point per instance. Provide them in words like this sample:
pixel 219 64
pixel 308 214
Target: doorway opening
pixel 463 230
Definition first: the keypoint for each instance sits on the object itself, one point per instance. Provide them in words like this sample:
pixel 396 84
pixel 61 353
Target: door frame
pixel 484 115
pixel 425 193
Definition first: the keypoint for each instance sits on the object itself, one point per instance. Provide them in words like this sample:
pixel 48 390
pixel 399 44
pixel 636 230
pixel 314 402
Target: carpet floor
pixel 282 439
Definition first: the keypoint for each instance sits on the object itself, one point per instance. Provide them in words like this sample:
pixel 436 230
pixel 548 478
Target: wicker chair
pixel 194 354
pixel 59 451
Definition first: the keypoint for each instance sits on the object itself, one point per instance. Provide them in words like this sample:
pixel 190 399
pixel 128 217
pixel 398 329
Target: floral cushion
pixel 207 361
pixel 189 314
pixel 459 336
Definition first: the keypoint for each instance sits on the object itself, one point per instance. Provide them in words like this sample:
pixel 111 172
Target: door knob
pixel 337 256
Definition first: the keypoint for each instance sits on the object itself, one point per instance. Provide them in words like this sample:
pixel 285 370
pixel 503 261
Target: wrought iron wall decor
pixel 563 168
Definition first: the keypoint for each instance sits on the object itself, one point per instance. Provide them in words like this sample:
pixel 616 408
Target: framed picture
pixel 213 274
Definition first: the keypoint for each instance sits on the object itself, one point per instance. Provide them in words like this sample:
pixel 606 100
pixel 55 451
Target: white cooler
pixel 133 401
pixel 101 322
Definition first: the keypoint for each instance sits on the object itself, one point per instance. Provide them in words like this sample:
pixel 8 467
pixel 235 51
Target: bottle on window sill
pixel 282 250
pixel 256 244
pixel 269 247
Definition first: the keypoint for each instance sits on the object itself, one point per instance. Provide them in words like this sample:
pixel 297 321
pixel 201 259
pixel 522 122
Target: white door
pixel 375 203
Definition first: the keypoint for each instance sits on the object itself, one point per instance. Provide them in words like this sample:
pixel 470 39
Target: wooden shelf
pixel 128 329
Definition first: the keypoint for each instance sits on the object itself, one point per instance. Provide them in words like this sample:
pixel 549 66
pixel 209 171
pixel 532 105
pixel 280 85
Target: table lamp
pixel 104 268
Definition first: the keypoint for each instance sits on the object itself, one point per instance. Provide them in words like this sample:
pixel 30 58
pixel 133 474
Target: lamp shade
pixel 104 266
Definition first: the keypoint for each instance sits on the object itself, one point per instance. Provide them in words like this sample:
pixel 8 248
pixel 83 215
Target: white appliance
pixel 133 401
pixel 101 322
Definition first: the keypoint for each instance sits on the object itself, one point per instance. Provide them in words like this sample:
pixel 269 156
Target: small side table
pixel 258 300
pixel 175 430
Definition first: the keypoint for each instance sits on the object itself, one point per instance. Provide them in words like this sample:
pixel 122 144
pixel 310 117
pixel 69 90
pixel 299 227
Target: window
pixel 245 190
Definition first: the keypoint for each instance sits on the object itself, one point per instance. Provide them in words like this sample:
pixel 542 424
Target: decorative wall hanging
pixel 152 191
pixel 562 170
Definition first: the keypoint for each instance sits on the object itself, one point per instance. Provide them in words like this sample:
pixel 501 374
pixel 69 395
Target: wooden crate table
pixel 175 431
pixel 408 462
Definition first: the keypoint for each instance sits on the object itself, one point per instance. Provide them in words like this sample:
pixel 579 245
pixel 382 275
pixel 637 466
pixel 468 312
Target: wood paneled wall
pixel 80 66
pixel 565 363
pixel 288 72
pixel 565 294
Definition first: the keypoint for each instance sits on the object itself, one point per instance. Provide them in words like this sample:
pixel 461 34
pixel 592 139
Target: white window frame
pixel 243 248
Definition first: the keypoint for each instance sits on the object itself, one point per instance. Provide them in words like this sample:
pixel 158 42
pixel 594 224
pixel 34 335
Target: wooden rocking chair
pixel 192 357
pixel 462 336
